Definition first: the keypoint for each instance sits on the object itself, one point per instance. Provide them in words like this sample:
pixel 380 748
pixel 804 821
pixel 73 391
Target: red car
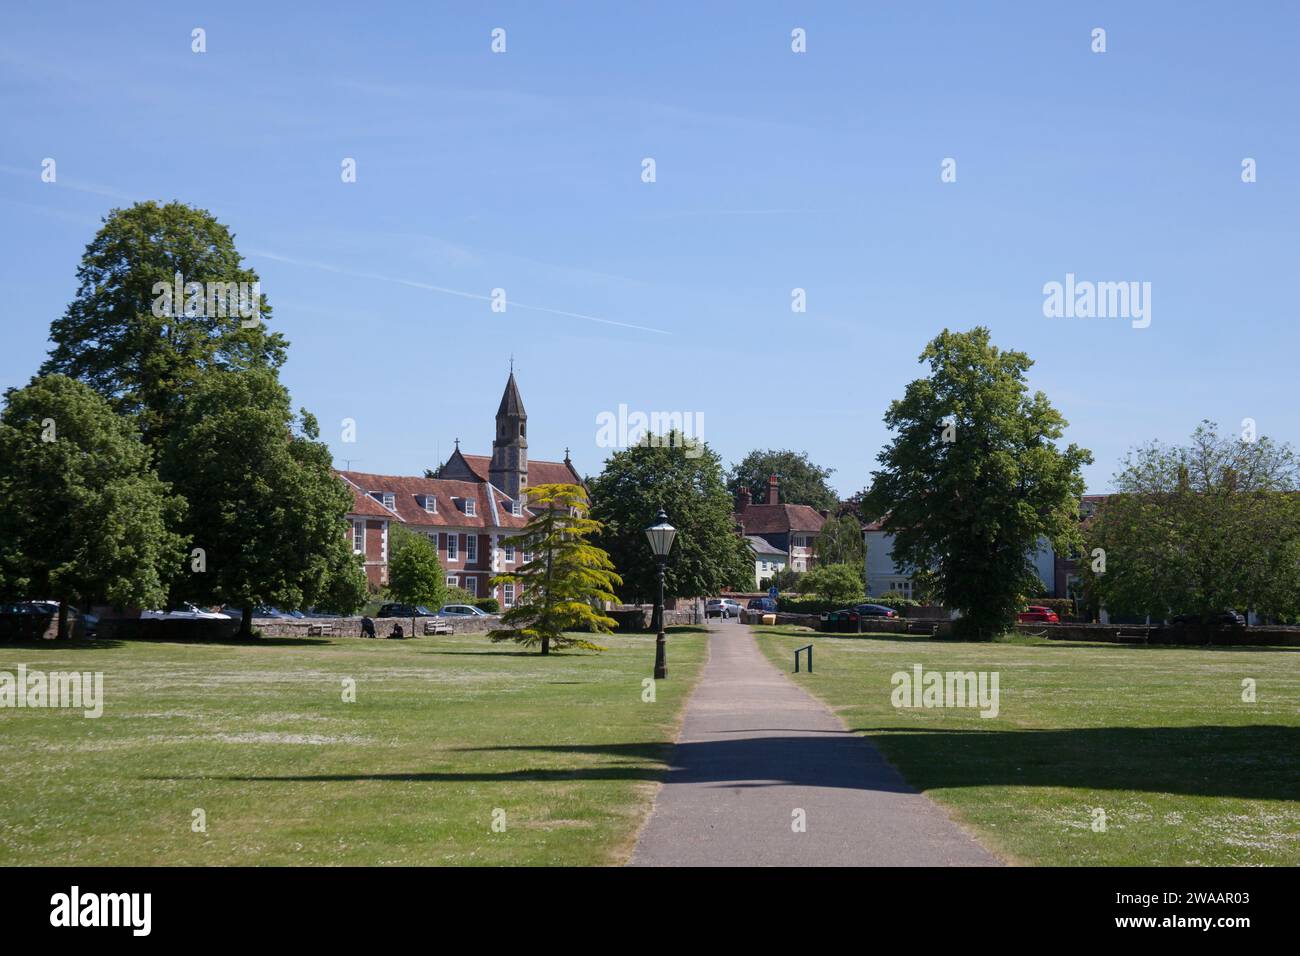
pixel 1036 614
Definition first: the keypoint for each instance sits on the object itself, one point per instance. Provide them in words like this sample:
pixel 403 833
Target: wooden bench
pixel 438 627
pixel 319 630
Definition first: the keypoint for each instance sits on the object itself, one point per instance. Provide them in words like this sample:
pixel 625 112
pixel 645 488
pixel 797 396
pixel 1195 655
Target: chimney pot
pixel 773 490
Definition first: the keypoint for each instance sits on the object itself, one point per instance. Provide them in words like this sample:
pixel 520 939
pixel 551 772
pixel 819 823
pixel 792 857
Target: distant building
pixel 790 530
pixel 472 511
pixel 767 560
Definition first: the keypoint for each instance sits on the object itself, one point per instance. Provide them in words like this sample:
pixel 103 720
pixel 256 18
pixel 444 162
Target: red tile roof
pixel 776 519
pixel 539 472
pixel 409 495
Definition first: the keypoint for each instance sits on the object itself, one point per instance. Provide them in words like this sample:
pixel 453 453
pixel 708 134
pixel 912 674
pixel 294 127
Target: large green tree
pixel 265 507
pixel 112 336
pixel 839 583
pixel 708 554
pixel 801 481
pixel 1199 528
pixel 564 586
pixel 415 575
pixel 974 478
pixel 83 515
pixel 840 542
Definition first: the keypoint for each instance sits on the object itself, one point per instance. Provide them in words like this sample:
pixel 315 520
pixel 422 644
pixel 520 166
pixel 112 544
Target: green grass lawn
pixel 444 732
pixel 1159 738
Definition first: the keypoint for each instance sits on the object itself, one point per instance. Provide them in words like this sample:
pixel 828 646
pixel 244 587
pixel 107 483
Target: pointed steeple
pixel 511 402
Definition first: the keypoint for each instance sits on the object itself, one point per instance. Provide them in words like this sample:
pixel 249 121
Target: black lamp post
pixel 661 535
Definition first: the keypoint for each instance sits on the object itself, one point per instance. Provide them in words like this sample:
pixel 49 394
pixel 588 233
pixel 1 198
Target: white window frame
pixel 453 581
pixel 517 508
pixel 469 507
pixel 453 546
pixel 508 594
pixel 471 549
pixel 431 504
pixel 358 537
pixel 510 553
pixel 389 501
pixel 471 584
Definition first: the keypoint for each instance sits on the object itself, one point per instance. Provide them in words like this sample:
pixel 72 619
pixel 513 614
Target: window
pixel 517 508
pixel 510 554
pixel 471 547
pixel 390 501
pixel 453 540
pixel 528 556
pixel 358 537
pixel 469 507
pixel 452 581
pixel 471 585
pixel 509 594
pixel 431 504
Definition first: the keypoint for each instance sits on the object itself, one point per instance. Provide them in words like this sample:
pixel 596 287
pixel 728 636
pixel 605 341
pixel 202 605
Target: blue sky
pixel 774 170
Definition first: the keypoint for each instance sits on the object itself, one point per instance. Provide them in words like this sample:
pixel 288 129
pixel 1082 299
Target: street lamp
pixel 661 535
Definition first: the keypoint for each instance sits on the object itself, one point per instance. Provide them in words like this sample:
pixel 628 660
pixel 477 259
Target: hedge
pixel 812 605
pixel 491 605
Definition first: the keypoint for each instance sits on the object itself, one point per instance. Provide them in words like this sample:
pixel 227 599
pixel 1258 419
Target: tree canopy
pixel 83 515
pixel 1197 529
pixel 801 481
pixel 974 478
pixel 708 555
pixel 840 542
pixel 118 336
pixel 266 509
pixel 415 575
pixel 838 583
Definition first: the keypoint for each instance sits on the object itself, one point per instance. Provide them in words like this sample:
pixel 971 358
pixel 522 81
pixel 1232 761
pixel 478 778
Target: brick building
pixel 788 532
pixel 472 510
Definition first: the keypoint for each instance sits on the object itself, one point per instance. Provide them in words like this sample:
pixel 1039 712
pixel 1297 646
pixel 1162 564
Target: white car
pixel 461 610
pixel 184 612
pixel 721 607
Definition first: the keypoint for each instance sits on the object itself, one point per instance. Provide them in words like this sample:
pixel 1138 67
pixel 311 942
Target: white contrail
pixel 429 287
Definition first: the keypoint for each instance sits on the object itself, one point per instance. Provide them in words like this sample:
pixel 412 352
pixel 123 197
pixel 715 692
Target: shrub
pixel 490 604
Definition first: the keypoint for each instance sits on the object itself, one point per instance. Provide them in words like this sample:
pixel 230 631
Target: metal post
pixel 661 664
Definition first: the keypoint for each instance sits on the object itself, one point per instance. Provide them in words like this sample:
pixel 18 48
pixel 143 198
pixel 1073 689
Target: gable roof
pixel 779 519
pixel 761 546
pixel 491 505
pixel 539 472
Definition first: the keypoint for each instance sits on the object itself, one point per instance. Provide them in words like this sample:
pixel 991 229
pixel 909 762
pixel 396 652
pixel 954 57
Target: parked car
pixel 874 610
pixel 721 607
pixel 404 610
pixel 89 622
pixel 461 610
pixel 765 604
pixel 1037 614
pixel 1226 618
pixel 184 612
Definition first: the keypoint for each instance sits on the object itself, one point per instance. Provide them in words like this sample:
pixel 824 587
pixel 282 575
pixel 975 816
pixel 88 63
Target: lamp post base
pixel 661 665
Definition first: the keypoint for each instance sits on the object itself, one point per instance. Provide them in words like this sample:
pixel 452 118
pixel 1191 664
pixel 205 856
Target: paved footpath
pixel 755 747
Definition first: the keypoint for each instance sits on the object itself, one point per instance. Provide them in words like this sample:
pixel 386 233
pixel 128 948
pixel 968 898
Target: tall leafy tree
pixel 266 509
pixel 801 481
pixel 112 338
pixel 708 554
pixel 414 574
pixel 562 588
pixel 1198 528
pixel 839 583
pixel 840 542
pixel 974 478
pixel 83 515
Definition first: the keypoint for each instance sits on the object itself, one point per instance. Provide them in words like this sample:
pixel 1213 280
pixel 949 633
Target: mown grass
pixel 444 732
pixel 1158 738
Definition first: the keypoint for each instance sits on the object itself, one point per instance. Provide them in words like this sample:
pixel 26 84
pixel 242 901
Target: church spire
pixel 509 468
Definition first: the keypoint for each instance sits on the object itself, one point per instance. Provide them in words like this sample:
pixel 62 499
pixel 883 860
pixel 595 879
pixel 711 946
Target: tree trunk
pixel 546 644
pixel 246 624
pixel 63 620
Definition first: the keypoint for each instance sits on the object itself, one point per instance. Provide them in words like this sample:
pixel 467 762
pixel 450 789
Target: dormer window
pixel 469 507
pixel 517 508
pixel 386 498
pixel 431 504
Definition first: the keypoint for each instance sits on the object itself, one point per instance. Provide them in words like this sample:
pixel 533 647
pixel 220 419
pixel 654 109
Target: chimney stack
pixel 744 499
pixel 773 491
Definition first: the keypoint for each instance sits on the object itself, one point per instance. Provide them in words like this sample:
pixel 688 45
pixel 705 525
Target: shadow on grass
pixel 43 645
pixel 1254 762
